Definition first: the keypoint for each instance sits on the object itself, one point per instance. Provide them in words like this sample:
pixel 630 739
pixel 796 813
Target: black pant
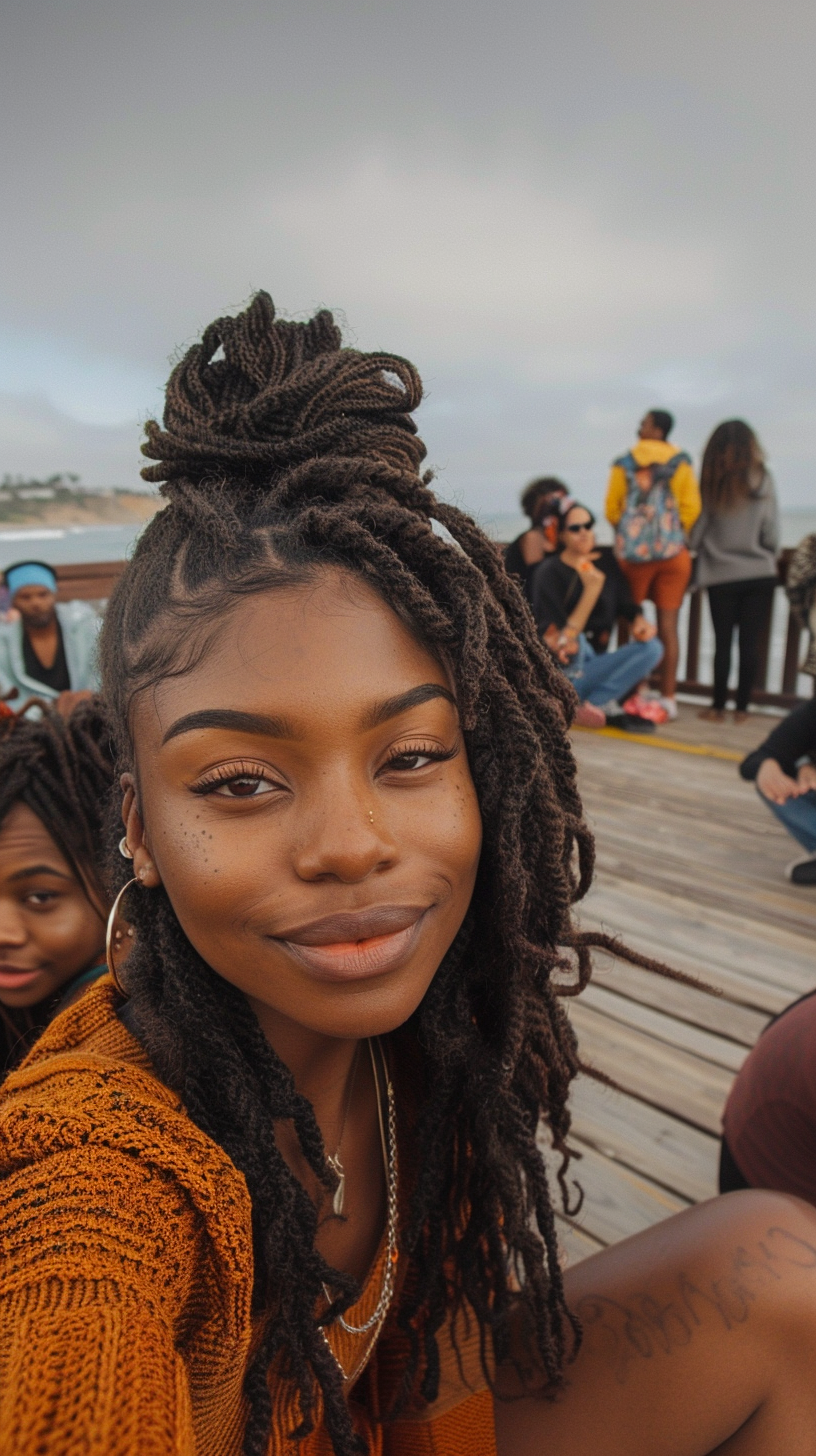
pixel 746 605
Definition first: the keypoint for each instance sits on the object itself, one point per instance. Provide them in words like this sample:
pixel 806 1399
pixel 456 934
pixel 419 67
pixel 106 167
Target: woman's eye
pixel 414 759
pixel 247 786
pixel 38 898
pixel 410 760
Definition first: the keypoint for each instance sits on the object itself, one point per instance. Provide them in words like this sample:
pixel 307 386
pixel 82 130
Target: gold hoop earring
pixel 123 848
pixel 112 937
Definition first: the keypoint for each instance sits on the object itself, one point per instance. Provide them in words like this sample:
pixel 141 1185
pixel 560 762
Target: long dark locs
pixel 284 457
pixel 61 769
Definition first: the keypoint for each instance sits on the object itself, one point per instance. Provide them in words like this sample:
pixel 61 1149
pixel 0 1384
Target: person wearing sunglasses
pixel 578 595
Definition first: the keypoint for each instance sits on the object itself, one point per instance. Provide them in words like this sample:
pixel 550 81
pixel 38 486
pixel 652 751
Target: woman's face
pixel 49 930
pixel 304 797
pixel 577 533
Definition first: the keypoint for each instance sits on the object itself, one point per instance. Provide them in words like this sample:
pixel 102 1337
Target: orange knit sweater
pixel 126 1275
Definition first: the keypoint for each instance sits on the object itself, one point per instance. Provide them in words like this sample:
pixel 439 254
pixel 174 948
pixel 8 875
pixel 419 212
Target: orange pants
pixel 663 582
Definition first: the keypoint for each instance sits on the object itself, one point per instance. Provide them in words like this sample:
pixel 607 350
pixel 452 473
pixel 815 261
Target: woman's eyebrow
pixel 391 707
pixel 40 869
pixel 260 724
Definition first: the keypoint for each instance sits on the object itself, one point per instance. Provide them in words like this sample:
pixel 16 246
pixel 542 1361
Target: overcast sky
pixel 562 212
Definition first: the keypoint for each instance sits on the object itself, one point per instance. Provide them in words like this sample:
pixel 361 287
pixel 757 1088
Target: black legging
pixel 746 605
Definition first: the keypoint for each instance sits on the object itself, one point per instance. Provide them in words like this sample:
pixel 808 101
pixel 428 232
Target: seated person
pixel 578 595
pixel 49 650
pixel 540 502
pixel 784 770
pixel 55 778
pixel 769 1137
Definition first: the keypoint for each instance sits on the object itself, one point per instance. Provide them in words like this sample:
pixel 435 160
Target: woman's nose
pixel 344 838
pixel 12 926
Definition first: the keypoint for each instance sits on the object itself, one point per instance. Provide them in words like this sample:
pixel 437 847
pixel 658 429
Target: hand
pixel 806 778
pixel 642 629
pixel 774 784
pixel 66 702
pixel 590 574
pixel 562 642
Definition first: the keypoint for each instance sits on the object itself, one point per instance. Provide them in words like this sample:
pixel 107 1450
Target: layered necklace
pixel 388 1140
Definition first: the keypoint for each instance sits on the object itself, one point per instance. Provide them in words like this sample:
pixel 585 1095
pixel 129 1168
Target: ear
pixel 144 867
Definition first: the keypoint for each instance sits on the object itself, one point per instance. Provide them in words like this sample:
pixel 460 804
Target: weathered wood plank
pixel 714 1013
pixel 575 1243
pixel 648 1141
pixel 617 1202
pixel 673 1080
pixel 664 1028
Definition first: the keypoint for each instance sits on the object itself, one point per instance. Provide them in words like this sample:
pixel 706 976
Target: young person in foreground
pixel 350 803
pixel 56 776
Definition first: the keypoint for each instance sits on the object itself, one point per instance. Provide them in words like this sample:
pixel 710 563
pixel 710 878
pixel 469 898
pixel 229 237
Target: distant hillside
pixel 63 501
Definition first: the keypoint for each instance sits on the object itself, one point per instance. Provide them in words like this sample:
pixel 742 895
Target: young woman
pixel 56 776
pixel 736 539
pixel 540 502
pixel 578 595
pixel 283 1191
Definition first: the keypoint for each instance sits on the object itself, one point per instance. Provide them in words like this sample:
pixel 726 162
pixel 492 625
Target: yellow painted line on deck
pixel 703 750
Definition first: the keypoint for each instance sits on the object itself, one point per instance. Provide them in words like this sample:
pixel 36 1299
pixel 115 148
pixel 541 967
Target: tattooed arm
pixel 699 1336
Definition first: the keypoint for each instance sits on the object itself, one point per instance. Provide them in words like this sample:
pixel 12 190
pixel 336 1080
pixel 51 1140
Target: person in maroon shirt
pixel 769 1123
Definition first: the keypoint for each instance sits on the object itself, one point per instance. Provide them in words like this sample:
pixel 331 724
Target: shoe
pixel 629 722
pixel 588 716
pixel 712 715
pixel 670 704
pixel 802 871
pixel 639 706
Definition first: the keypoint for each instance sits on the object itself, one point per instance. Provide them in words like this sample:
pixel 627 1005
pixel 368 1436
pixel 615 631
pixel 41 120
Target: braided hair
pixel 62 770
pixel 283 453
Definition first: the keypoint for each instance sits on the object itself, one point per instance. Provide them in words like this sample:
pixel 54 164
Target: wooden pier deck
pixel 689 870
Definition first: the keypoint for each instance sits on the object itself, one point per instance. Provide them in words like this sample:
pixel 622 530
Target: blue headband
pixel 31 573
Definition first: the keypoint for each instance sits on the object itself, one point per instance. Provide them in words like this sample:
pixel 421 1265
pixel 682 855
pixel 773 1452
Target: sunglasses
pixel 582 526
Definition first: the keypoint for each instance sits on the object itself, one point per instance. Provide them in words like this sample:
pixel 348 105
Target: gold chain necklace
pixel 389 1149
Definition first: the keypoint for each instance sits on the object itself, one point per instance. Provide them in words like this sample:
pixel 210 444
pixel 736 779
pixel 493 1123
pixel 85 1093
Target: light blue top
pixel 80 630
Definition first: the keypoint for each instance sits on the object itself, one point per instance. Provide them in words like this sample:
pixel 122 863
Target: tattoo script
pixel 644 1325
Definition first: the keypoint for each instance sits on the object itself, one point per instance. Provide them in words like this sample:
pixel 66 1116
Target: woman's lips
pixel 372 943
pixel 13 978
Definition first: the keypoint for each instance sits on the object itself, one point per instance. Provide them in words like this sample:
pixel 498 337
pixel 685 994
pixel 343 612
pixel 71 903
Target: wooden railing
pixel 95 581
pixel 783 696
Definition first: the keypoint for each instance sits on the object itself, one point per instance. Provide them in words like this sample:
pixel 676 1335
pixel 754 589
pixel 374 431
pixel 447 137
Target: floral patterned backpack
pixel 649 529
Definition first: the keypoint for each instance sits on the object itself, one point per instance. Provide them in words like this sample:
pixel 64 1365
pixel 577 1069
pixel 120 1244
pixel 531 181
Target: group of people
pixel 722 533
pixel 272 1181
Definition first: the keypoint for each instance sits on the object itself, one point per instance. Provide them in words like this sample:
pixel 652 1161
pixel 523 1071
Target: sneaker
pixel 629 722
pixel 588 716
pixel 670 704
pixel 802 871
pixel 639 706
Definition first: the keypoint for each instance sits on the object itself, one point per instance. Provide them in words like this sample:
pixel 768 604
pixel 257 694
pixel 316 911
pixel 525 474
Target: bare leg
pixel 699 1337
pixel 667 632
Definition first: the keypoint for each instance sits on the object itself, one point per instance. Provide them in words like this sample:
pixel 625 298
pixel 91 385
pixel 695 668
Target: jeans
pixel 601 677
pixel 746 605
pixel 798 817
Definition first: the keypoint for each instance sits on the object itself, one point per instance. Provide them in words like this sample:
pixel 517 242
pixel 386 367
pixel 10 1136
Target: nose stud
pixel 371 815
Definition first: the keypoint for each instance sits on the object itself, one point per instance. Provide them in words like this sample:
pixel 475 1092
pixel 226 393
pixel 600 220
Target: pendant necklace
pixel 333 1159
pixel 388 1141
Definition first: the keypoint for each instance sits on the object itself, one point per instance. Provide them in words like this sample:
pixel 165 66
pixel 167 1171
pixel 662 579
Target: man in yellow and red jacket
pixel 653 500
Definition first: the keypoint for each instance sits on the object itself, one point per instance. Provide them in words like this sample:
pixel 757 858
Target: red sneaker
pixel 648 708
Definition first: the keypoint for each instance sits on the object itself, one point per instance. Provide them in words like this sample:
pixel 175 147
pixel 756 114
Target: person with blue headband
pixel 48 650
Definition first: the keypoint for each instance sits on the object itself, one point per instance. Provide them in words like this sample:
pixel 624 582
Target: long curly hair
pixel 733 466
pixel 62 770
pixel 283 453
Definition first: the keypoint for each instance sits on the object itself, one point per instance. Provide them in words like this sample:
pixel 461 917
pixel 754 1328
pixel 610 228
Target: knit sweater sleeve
pixel 95 1274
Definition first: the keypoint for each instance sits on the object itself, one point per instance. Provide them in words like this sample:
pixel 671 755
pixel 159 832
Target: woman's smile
pixel 373 942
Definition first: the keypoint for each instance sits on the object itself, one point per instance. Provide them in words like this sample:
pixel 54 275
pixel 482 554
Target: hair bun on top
pixel 283 393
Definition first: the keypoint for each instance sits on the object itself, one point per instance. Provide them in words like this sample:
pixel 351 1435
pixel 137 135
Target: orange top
pixel 127 1268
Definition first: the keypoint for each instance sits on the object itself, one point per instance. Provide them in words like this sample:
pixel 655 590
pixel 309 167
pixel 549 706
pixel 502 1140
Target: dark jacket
pixel 793 739
pixel 557 588
pixel 515 564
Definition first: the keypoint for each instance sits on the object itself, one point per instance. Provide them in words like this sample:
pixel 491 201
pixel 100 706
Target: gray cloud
pixel 563 214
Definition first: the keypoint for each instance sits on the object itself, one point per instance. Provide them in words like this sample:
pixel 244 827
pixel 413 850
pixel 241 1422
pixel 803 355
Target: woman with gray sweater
pixel 736 538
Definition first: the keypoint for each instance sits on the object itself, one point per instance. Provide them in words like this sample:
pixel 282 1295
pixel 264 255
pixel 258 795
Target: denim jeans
pixel 600 677
pixel 798 817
